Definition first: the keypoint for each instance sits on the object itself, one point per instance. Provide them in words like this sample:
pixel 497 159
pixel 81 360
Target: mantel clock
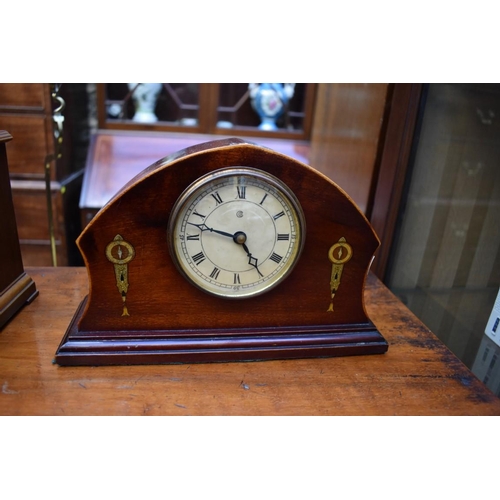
pixel 225 251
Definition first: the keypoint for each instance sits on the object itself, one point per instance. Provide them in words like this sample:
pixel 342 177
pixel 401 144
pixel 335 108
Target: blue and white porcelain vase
pixel 269 100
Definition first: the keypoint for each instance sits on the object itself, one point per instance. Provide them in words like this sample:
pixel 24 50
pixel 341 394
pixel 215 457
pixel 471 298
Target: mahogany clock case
pixel 16 287
pixel 158 317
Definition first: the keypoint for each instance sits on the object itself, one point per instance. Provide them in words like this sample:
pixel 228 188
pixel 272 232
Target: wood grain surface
pixel 345 136
pixel 417 376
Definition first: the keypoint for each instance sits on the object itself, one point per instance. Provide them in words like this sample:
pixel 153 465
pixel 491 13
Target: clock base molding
pixel 21 292
pixel 90 348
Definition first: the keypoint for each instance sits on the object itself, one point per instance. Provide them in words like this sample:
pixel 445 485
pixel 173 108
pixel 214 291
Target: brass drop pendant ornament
pixel 339 254
pixel 121 265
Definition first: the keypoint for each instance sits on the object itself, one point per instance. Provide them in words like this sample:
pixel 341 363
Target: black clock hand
pixel 204 227
pixel 239 237
pixel 251 260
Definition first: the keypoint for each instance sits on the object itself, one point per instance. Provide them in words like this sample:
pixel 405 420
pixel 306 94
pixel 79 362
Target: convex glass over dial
pixel 236 232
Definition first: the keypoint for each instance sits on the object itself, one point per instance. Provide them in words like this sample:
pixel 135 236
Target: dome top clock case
pixel 225 251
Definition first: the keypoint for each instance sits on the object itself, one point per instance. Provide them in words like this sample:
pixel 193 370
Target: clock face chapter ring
pixel 236 232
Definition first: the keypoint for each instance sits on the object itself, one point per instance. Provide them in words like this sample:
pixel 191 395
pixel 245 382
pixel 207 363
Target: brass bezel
pixel 191 192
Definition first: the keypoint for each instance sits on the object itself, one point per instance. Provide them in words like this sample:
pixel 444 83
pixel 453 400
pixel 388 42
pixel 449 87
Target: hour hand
pixel 204 227
pixel 251 259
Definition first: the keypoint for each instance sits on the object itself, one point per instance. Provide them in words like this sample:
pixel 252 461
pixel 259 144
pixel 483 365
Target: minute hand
pixel 204 227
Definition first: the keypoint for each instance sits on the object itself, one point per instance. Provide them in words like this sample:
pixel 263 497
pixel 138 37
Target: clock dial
pixel 237 232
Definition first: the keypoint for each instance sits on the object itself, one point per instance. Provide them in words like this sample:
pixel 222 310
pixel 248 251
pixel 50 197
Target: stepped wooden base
pixel 21 292
pixel 205 346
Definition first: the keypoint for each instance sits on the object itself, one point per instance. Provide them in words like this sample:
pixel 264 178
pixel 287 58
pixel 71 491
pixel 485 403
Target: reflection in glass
pixel 446 260
pixel 486 366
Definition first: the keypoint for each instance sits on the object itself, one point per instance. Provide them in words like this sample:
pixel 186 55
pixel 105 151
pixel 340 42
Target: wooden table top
pixel 417 376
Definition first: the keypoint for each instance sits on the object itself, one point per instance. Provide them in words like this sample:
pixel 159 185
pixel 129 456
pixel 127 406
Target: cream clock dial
pixel 236 232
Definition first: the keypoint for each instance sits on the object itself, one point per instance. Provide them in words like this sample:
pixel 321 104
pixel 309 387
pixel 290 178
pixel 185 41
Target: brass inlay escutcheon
pixel 339 254
pixel 119 252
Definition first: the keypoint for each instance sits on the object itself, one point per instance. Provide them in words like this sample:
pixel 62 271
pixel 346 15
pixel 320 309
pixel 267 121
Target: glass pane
pixel 265 106
pixel 174 103
pixel 446 260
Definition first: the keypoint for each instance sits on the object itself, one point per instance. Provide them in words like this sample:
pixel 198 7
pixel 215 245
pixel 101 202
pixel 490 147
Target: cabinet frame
pixel 207 119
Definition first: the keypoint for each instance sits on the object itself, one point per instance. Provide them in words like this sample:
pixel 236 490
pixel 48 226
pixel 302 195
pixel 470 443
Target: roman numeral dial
pixel 236 232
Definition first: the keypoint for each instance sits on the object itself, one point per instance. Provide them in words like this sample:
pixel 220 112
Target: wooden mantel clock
pixel 225 251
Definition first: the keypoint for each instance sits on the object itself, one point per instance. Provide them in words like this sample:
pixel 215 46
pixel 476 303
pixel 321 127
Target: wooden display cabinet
pixel 205 108
pixel 42 159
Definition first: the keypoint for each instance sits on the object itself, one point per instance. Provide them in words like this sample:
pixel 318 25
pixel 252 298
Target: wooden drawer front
pixel 23 96
pixel 28 149
pixel 30 205
pixel 40 255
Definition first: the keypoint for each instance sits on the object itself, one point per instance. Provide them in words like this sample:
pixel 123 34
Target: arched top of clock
pixel 238 152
